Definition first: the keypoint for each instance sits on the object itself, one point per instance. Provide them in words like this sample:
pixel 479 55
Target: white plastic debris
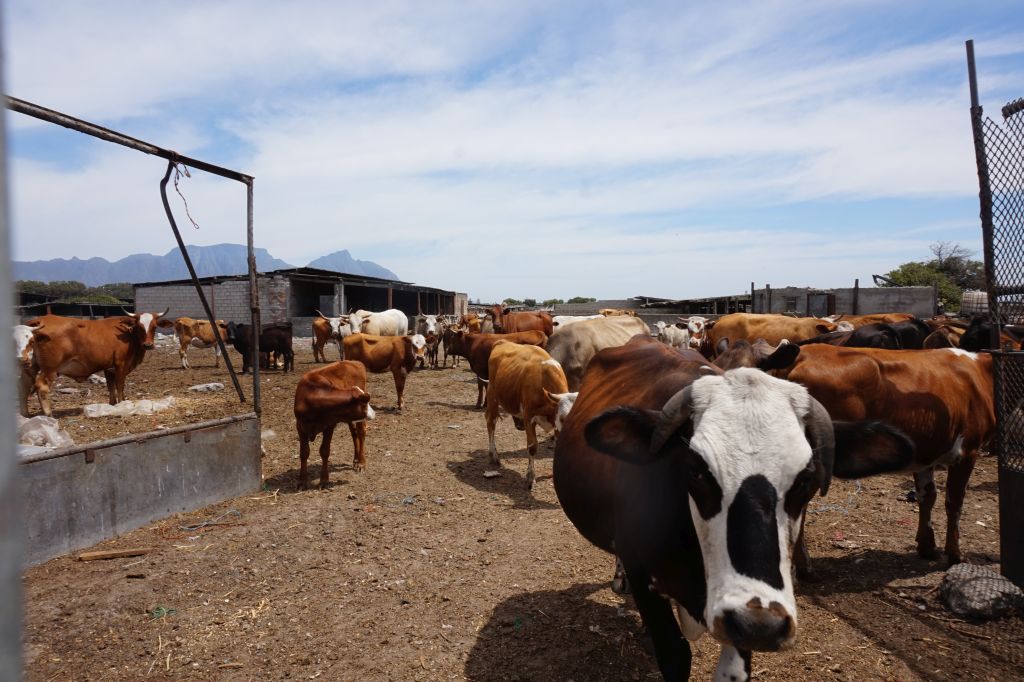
pixel 207 388
pixel 492 474
pixel 267 434
pixel 97 379
pixel 43 432
pixel 128 408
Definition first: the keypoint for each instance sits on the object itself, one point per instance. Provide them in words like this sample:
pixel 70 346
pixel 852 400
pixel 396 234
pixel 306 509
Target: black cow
pixel 978 335
pixel 275 338
pixel 905 335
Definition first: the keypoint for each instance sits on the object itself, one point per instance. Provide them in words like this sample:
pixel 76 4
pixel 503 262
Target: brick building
pixel 295 294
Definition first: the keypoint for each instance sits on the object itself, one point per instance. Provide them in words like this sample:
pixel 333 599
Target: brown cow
pixel 477 349
pixel 527 384
pixel 470 322
pixel 396 354
pixel 198 333
pixel 526 320
pixel 698 480
pixel 614 312
pixel 872 318
pixel 328 329
pixel 772 328
pixel 324 398
pixel 941 399
pixel 77 348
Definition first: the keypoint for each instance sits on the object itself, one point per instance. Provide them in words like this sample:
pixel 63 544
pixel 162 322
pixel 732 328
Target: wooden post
pixel 390 291
pixel 856 297
pixel 768 298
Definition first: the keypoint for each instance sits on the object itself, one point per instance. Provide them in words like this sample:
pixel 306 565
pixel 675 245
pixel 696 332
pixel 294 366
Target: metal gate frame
pixel 999 154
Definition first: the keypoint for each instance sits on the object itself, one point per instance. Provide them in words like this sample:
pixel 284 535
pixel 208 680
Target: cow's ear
pixel 869 448
pixel 624 433
pixel 681 325
pixel 783 356
pixel 825 328
pixel 165 323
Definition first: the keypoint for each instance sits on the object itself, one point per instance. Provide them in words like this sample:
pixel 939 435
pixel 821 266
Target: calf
pixel 396 354
pixel 198 333
pixel 527 384
pixel 477 349
pixel 275 338
pixel 448 332
pixel 324 398
pixel 698 479
pixel 430 328
pixel 674 335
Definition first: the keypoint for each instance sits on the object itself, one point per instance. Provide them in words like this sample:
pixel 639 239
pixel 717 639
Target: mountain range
pixel 219 259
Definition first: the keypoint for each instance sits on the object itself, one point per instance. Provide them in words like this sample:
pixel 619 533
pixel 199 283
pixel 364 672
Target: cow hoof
pixel 324 485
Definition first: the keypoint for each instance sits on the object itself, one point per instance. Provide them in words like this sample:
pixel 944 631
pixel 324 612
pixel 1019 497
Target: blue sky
pixel 527 149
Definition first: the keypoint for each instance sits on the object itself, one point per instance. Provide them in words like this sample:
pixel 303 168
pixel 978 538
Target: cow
pixel 24 345
pixel 941 399
pixel 274 338
pixel 77 348
pixel 698 327
pixel 857 321
pixel 429 326
pixel 943 337
pixel 575 345
pixel 528 385
pixel 327 330
pixel 325 397
pixel 978 336
pixel 396 354
pixel 698 479
pixel 674 335
pixel 904 335
pixel 563 320
pixel 198 333
pixel 613 312
pixel 391 322
pixel 477 349
pixel 470 322
pixel 522 321
pixel 772 328
pixel 448 332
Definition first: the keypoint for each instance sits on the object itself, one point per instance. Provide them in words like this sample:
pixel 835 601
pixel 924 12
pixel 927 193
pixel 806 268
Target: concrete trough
pixel 78 496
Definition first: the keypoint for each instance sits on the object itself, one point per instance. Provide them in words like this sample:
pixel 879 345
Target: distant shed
pixel 296 294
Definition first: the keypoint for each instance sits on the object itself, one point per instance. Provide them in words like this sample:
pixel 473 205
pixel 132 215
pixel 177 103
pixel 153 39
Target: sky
pixel 517 149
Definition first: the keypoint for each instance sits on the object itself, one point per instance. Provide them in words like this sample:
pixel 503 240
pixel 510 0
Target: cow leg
pixel 289 360
pixel 358 431
pixel 491 417
pixel 481 392
pixel 42 384
pixel 802 558
pixel 956 488
pixel 316 351
pixel 303 458
pixel 531 448
pixel 620 584
pixel 733 665
pixel 111 377
pixel 924 482
pixel 400 385
pixel 671 650
pixel 25 384
pixel 183 355
pixel 325 454
pixel 216 355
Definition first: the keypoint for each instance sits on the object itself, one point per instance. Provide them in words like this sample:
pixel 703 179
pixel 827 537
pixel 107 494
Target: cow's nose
pixel 758 629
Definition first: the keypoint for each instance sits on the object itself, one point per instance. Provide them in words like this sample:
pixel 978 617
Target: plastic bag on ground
pixel 128 408
pixel 42 431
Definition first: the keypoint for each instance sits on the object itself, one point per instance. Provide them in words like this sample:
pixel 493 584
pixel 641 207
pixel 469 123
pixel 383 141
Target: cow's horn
pixel 822 440
pixel 674 414
pixel 319 313
pixel 166 310
pixel 126 311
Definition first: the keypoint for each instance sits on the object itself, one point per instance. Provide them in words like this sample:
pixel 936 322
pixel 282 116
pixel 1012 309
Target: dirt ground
pixel 420 568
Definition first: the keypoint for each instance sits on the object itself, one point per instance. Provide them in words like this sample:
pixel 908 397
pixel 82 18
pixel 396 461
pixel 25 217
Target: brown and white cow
pixel 24 345
pixel 197 333
pixel 573 346
pixel 327 330
pixel 324 398
pixel 429 326
pixel 477 349
pixel 872 318
pixel 697 328
pixel 522 321
pixel 698 479
pixel 526 383
pixel 77 348
pixel 772 328
pixel 396 354
pixel 941 399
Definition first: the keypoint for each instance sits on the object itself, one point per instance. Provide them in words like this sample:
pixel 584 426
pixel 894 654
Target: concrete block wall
pixel 274 294
pixel 230 300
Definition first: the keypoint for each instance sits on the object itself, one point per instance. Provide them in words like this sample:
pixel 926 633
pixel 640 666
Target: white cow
pixel 388 323
pixel 674 335
pixel 562 320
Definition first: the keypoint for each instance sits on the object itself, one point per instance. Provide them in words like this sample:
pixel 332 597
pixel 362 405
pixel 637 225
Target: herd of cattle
pixel 690 453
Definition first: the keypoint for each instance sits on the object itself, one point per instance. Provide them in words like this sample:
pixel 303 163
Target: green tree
pixel 581 299
pixel 553 301
pixel 530 302
pixel 512 301
pixel 916 274
pixel 951 269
